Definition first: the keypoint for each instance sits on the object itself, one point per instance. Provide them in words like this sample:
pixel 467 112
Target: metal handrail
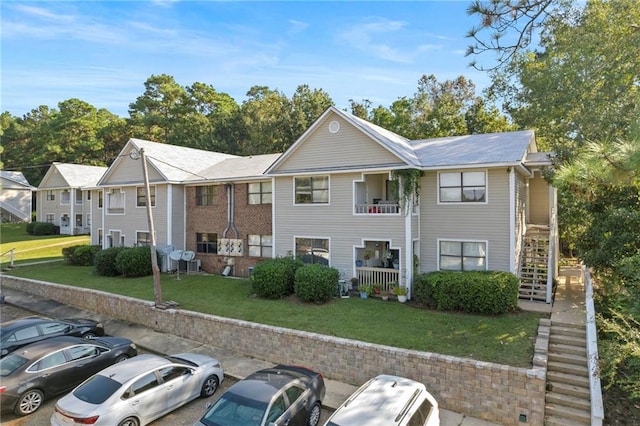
pixel 10 252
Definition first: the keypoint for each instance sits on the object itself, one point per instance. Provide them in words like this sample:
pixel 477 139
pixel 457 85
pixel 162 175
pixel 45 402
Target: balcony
pixel 368 275
pixel 383 207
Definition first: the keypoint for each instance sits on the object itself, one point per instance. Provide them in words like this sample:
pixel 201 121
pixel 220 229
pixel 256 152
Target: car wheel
pixel 209 386
pixel 129 421
pixel 89 335
pixel 314 415
pixel 122 357
pixel 29 402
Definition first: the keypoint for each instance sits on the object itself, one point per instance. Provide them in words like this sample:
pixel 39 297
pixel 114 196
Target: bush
pixel 43 228
pixel 29 227
pixel 105 261
pixel 483 292
pixel 275 278
pixel 134 262
pixel 80 255
pixel 316 283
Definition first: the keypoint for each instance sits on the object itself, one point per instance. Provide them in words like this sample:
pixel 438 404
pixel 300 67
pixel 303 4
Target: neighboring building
pixel 64 196
pixel 482 205
pixel 230 215
pixel 15 197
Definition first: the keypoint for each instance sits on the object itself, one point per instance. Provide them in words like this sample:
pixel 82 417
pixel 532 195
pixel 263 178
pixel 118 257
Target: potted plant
pixel 365 290
pixel 376 288
pixel 401 293
pixel 384 294
pixel 368 254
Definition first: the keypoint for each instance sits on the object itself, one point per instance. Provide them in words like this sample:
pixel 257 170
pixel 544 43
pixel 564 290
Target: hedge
pixel 316 283
pixel 275 278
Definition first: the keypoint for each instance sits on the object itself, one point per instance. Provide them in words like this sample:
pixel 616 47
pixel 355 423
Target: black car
pixel 282 395
pixel 41 370
pixel 19 332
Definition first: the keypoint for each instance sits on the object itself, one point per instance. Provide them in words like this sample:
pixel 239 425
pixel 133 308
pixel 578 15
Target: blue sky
pixel 102 52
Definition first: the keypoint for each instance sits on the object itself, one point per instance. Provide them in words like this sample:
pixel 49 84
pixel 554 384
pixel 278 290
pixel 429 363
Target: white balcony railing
pixel 384 276
pixel 382 207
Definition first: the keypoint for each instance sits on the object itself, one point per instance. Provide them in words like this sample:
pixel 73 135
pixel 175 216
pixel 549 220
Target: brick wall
pixel 249 219
pixel 497 393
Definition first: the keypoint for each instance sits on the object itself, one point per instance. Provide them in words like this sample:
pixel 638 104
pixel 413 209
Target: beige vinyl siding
pixel 520 215
pixel 54 180
pixel 466 221
pixel 177 212
pixel 538 200
pixel 129 172
pixel 96 215
pixel 349 147
pixel 334 221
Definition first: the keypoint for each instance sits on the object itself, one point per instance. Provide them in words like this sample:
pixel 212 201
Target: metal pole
pixel 157 289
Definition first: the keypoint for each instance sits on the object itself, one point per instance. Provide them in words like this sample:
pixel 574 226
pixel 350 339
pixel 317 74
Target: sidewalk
pixel 235 365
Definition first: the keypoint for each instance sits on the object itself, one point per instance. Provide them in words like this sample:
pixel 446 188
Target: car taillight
pixel 2 388
pixel 79 420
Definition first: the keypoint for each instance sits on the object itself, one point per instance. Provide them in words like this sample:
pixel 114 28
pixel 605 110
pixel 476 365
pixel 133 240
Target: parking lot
pixel 186 415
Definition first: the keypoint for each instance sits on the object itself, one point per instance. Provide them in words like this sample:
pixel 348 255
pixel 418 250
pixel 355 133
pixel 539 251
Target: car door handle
pixel 136 402
pixel 169 387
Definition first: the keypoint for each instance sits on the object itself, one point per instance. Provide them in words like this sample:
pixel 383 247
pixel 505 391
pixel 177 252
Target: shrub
pixel 29 227
pixel 105 261
pixel 43 228
pixel 483 292
pixel 80 255
pixel 316 283
pixel 275 278
pixel 134 262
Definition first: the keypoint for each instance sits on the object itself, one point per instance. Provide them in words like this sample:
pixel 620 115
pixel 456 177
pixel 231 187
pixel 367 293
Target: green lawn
pixel 505 339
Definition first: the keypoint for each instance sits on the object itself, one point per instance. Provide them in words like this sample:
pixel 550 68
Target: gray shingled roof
pixel 491 148
pixel 240 167
pixel 16 177
pixel 179 163
pixel 538 159
pixel 79 175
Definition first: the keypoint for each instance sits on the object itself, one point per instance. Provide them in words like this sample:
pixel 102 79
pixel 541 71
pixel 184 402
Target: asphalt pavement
pixel 235 364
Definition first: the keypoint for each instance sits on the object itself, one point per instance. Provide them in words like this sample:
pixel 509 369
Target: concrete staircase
pixel 568 397
pixel 534 265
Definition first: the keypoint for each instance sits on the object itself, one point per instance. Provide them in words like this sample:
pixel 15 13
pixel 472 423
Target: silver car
pixel 139 390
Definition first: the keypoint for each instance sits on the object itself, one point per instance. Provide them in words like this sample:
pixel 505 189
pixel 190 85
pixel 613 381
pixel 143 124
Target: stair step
pixel 564 400
pixel 568 331
pixel 566 358
pixel 561 421
pixel 565 324
pixel 562 367
pixel 560 348
pixel 569 413
pixel 568 340
pixel 567 389
pixel 567 379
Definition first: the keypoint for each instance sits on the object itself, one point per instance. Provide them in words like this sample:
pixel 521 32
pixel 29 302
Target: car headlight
pixel 133 346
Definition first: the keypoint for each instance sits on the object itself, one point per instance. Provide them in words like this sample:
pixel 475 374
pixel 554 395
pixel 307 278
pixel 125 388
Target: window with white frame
pixel 100 237
pixel 143 238
pixel 51 196
pixel 50 218
pixel 206 243
pixel 78 196
pixel 462 187
pixel 141 196
pixel 206 195
pixel 260 245
pixel 65 196
pixel 89 220
pixel 100 199
pixel 463 255
pixel 313 250
pixel 259 193
pixel 312 190
pixel 115 201
pixel 79 221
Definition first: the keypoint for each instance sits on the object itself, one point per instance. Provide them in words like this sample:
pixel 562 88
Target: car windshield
pixel 232 409
pixel 181 361
pixel 97 389
pixel 11 363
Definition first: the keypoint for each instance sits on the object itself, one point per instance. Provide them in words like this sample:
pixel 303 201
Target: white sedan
pixel 139 390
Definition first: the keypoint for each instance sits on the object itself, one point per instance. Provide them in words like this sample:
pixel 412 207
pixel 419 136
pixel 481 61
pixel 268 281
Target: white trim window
pixel 51 195
pixel 313 250
pixel 462 187
pixel 311 190
pixel 206 195
pixel 115 201
pixel 206 242
pixel 462 255
pixel 65 196
pixel 260 245
pixel 259 193
pixel 78 196
pixel 141 197
pixel 143 239
pixel 100 199
pixel 50 218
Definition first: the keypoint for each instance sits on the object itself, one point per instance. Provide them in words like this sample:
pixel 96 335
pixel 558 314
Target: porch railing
pixel 382 207
pixel 369 275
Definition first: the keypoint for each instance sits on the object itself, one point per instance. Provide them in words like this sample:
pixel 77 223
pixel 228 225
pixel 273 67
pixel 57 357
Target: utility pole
pixel 157 289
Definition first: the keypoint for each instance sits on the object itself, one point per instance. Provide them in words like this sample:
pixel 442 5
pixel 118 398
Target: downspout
pixel 230 212
pixel 512 221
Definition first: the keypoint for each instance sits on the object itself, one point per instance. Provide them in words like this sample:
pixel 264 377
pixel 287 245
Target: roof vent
pixel 334 126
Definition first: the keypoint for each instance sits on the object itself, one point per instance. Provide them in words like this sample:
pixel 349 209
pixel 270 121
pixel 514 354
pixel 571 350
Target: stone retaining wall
pixel 497 393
